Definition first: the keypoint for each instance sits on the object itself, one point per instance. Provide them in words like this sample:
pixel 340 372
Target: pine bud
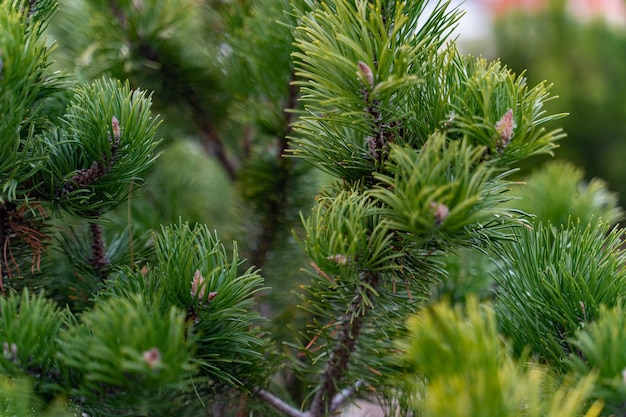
pixel 198 288
pixel 116 128
pixel 10 351
pixel 197 285
pixel 451 117
pixel 152 357
pixel 441 212
pixel 504 128
pixel 366 74
pixel 338 259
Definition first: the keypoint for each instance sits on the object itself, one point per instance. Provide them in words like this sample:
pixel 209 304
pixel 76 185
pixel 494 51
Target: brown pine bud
pixel 441 212
pixel 505 127
pixel 366 74
pixel 338 259
pixel 152 357
pixel 197 286
pixel 116 128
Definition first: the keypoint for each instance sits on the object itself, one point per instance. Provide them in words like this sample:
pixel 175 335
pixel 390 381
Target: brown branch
pixel 209 135
pixel 98 169
pixel 22 229
pixel 32 9
pixel 337 365
pixel 212 143
pixel 98 250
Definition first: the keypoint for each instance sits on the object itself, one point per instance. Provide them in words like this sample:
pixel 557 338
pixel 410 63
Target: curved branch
pixel 279 404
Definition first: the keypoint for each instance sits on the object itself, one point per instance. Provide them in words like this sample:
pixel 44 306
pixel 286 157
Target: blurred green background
pixel 579 47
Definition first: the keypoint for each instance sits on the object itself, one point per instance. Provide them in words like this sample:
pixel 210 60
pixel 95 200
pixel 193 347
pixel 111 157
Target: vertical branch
pixel 337 365
pixel 98 250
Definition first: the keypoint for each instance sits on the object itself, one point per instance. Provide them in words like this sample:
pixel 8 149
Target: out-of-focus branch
pixel 279 404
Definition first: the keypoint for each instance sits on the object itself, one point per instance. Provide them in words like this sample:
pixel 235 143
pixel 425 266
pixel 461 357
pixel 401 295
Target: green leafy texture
pixel 17 399
pixel 468 274
pixel 599 350
pixel 88 172
pixel 327 299
pixel 584 59
pixel 183 183
pixel 558 191
pixel 359 64
pixel 28 91
pixel 122 36
pixel 229 349
pixel 195 274
pixel 70 276
pixel 461 367
pixel 122 356
pixel 552 283
pixel 482 95
pixel 167 46
pixel 443 195
pixel 29 327
pixel 260 69
pixel 345 235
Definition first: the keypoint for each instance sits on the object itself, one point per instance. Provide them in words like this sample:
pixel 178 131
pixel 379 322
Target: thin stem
pixel 337 365
pixel 279 404
pixel 344 395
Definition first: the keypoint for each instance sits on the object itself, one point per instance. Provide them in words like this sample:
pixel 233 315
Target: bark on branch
pixel 337 365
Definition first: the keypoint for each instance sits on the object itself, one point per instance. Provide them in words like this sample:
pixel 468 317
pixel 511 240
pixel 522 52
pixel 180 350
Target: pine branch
pixel 32 8
pixel 209 136
pixel 279 404
pixel 351 324
pixel 98 169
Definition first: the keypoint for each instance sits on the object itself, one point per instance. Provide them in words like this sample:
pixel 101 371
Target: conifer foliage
pixel 417 145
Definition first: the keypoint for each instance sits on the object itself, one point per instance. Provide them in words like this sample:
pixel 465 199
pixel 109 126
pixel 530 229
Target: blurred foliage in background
pixel 220 72
pixel 586 62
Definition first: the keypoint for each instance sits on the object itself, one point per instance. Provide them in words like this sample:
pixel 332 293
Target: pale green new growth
pixel 468 371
